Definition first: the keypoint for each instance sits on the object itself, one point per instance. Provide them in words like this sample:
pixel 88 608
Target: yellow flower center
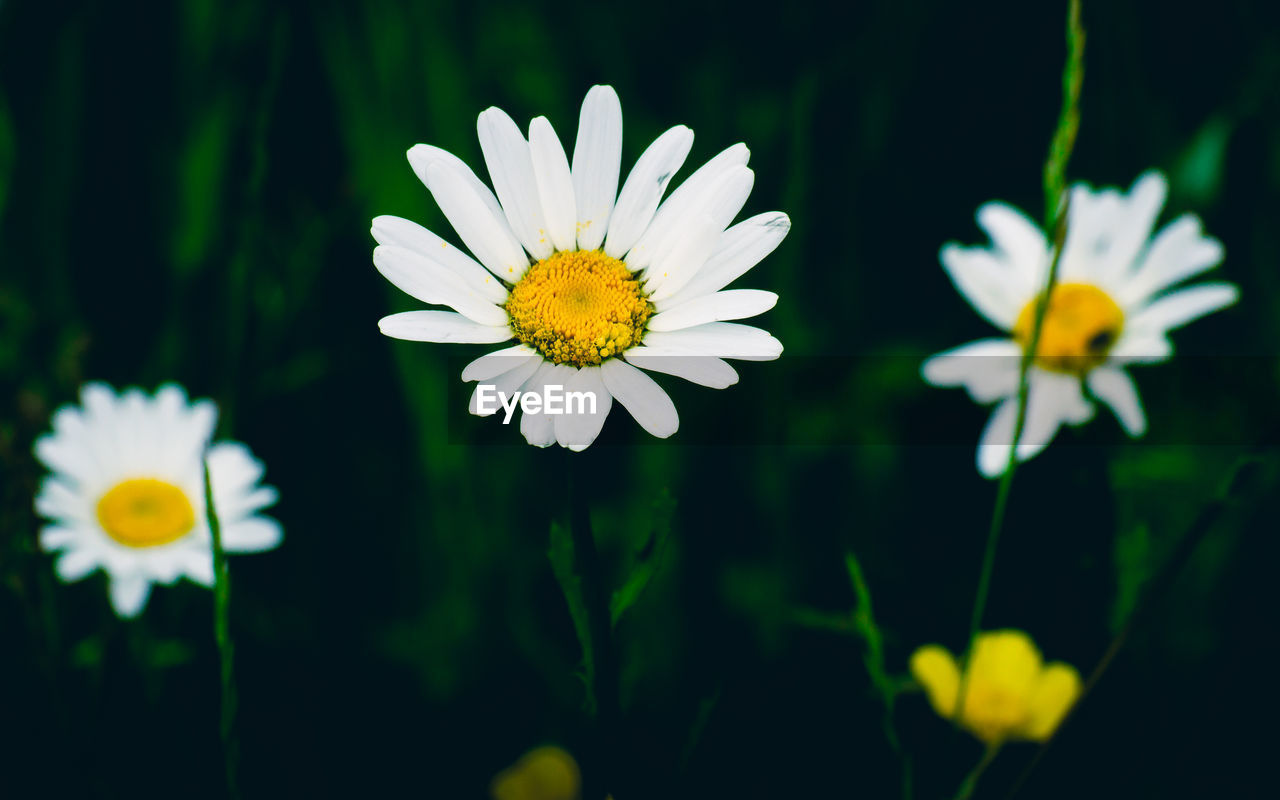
pixel 1080 326
pixel 145 512
pixel 578 307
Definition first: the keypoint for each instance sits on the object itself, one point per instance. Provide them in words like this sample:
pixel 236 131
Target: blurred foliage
pixel 185 193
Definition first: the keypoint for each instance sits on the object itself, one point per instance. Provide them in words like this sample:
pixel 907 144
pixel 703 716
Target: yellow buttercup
pixel 1009 692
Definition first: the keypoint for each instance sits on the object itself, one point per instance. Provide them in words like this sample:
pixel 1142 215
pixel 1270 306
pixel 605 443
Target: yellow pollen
pixel 578 307
pixel 1080 327
pixel 145 512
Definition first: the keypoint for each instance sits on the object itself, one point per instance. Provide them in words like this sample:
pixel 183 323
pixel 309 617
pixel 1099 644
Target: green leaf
pixel 864 622
pixel 201 183
pixel 564 566
pixel 1198 171
pixel 646 561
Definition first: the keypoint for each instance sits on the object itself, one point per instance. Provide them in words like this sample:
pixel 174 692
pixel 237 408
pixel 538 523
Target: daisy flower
pixel 1117 297
pixel 590 281
pixel 126 493
pixel 1009 692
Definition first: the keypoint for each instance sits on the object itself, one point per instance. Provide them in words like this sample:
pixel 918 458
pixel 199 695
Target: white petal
pixel 56 500
pixel 644 188
pixel 738 250
pixel 997 439
pixel 1114 387
pixel 129 594
pixel 1178 252
pixel 994 289
pixel 641 396
pixel 1087 254
pixel 189 434
pixel 75 564
pixel 494 364
pixel 579 429
pixel 539 429
pixel 1140 347
pixel 55 537
pixel 412 236
pixel 717 307
pixel 510 163
pixel 597 163
pixel 688 198
pixel 675 267
pixel 987 368
pixel 422 156
pixel 1177 309
pixel 441 326
pixel 1142 206
pixel 165 565
pixel 555 184
pixel 1053 399
pixel 1023 245
pixel 232 470
pixel 429 282
pixel 486 235
pixel 197 565
pixel 722 339
pixel 234 474
pixel 68 450
pixel 720 203
pixel 252 535
pixel 703 370
pixel 505 384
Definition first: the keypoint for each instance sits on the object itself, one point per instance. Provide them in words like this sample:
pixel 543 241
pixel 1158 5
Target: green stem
pixel 1057 209
pixel 970 782
pixel 222 633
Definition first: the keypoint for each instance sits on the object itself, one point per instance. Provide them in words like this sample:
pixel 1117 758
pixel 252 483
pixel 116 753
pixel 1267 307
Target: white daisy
pixel 1114 304
pixel 591 282
pixel 127 492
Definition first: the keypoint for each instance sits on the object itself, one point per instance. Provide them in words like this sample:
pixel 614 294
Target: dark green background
pixel 185 193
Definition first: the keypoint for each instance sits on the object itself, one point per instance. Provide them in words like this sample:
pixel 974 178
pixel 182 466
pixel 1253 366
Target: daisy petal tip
pixel 992 460
pixel 932 373
pixel 1152 180
pixel 420 158
pixel 1231 293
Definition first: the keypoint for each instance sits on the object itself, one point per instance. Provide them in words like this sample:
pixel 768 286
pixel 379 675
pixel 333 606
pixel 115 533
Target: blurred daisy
pixel 1009 692
pixel 1115 302
pixel 589 280
pixel 127 492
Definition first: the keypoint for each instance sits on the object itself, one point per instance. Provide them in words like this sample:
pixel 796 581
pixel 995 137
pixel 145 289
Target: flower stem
pixel 1057 208
pixel 222 633
pixel 970 782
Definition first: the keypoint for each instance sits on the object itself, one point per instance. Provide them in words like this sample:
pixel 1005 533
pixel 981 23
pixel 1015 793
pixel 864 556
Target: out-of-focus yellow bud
pixel 544 773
